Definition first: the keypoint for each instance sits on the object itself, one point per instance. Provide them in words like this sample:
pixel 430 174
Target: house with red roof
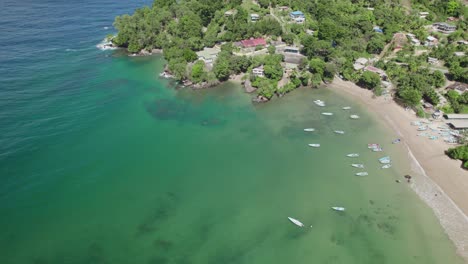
pixel 251 43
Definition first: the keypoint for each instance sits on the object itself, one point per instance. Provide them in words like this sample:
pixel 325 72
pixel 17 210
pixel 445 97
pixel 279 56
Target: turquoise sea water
pixel 102 162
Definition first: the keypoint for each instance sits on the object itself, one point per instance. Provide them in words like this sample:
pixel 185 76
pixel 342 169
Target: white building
pixel 259 72
pixel 254 17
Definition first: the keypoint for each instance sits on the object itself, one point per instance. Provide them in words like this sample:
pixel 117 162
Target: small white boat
pixel 296 222
pixel 346 107
pixel 339 132
pixel 385 161
pixel 319 102
pixel 385 158
pixel 373 145
pixel 363 173
pixel 357 165
pixel 309 129
pixel 353 155
pixel 339 209
pixel 386 166
pixel 314 145
pixel 354 116
pixel 327 114
pixel 379 149
pixel 422 128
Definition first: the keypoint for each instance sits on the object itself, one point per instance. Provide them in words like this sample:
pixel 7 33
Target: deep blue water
pixel 46 46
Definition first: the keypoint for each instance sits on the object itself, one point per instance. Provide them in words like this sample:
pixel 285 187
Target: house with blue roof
pixel 296 14
pixel 377 29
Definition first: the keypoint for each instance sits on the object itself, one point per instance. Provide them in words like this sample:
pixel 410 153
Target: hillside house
pixel 251 43
pixel 445 27
pixel 458 87
pixel 377 29
pixel 229 13
pixel 431 60
pixel 208 55
pixel 423 14
pixel 283 8
pixel 293 50
pixel 299 20
pixel 457 121
pixel 254 17
pixel 296 14
pixel 431 41
pixel 259 72
pixel 360 63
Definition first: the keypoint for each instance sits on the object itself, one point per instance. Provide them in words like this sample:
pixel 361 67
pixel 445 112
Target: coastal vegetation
pixel 461 153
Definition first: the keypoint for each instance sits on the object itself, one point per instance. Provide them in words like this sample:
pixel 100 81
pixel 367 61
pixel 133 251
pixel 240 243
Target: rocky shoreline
pixel 248 88
pixel 144 52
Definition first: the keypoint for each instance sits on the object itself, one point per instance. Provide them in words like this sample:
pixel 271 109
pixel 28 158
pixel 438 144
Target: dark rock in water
pixel 398 181
pixel 165 109
pixel 371 202
pixel 408 177
pixel 145 228
pixel 162 244
pixel 95 254
pixel 158 260
pixel 212 122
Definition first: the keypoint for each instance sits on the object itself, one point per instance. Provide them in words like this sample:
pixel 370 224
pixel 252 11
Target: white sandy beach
pixel 438 180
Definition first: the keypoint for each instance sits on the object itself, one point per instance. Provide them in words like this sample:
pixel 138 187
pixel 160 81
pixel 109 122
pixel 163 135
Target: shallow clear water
pixel 102 162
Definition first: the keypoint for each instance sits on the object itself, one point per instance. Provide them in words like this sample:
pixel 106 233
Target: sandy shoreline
pixel 433 172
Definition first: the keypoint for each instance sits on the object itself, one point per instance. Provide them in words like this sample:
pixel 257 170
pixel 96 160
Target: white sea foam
pixel 106 45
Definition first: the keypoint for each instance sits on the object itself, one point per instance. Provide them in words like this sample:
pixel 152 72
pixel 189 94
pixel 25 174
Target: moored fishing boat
pixel 338 208
pixel 377 149
pixel 309 129
pixel 296 222
pixel 363 173
pixel 354 116
pixel 314 145
pixel 384 158
pixel 339 132
pixel 319 102
pixel 327 113
pixel 358 165
pixel 353 155
pixel 386 166
pixel 373 145
pixel 346 107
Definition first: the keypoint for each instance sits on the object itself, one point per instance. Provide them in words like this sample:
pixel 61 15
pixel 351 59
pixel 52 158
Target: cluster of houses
pixel 430 41
pixel 253 17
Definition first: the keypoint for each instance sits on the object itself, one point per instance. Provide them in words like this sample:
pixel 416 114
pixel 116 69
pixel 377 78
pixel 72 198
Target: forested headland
pixel 330 37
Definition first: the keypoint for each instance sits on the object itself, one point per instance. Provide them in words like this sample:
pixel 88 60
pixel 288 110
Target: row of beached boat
pixel 444 131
